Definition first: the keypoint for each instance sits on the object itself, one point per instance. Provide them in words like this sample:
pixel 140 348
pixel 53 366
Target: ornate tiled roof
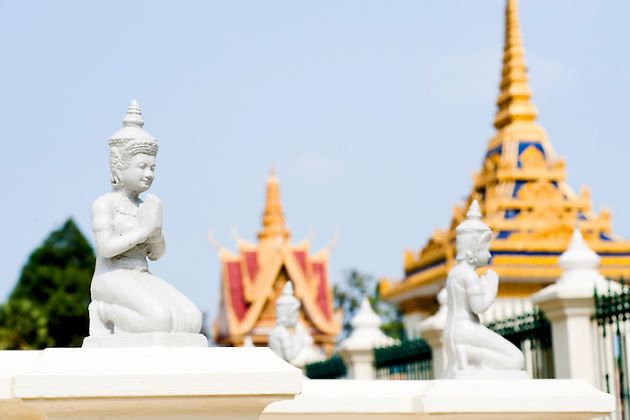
pixel 524 198
pixel 252 278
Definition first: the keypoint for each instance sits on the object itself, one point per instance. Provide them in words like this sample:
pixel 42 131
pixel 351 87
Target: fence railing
pixel 531 332
pixel 332 368
pixel 612 318
pixel 411 359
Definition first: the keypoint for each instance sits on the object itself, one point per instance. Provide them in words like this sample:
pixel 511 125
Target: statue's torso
pixel 287 344
pixel 124 218
pixel 457 299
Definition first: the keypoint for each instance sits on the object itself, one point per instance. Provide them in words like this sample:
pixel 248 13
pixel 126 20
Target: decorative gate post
pixel 357 350
pixel 431 330
pixel 569 305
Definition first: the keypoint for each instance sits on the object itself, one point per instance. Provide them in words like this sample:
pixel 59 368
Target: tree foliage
pixel 349 294
pixel 23 326
pixel 48 306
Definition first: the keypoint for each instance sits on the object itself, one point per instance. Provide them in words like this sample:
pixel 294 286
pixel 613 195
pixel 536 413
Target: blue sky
pixel 374 114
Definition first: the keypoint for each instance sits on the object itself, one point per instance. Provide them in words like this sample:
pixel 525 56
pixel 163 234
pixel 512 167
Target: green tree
pixel 55 284
pixel 349 294
pixel 23 326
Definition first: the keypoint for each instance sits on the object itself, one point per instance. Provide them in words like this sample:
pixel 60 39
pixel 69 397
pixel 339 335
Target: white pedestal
pixel 155 339
pixel 360 363
pixel 431 331
pixel 444 400
pixel 144 383
pixel 569 307
pixel 357 351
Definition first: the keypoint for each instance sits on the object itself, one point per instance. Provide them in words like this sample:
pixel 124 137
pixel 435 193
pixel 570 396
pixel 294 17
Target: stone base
pixel 446 399
pixel 492 374
pixel 156 339
pixel 143 383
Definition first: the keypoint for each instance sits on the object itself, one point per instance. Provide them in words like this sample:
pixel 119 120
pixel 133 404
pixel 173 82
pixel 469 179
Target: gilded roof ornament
pixel 273 221
pixel 514 97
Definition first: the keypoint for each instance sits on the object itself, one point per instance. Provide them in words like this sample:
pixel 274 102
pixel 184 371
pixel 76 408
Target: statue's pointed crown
pixel 132 130
pixel 287 297
pixel 133 117
pixel 473 221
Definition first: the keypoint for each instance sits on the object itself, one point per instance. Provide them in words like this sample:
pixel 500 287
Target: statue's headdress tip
pixel 474 211
pixel 472 222
pixel 287 290
pixel 287 297
pixel 133 117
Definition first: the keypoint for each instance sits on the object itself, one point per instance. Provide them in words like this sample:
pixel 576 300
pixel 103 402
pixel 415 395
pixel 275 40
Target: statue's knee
pixel 159 319
pixel 517 358
pixel 195 318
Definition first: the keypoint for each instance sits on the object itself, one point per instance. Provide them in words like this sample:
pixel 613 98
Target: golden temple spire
pixel 514 98
pixel 273 224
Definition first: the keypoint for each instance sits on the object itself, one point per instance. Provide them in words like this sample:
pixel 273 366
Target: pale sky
pixel 375 114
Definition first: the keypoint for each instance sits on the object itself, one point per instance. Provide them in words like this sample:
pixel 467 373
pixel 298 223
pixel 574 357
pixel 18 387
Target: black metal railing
pixel 411 359
pixel 612 317
pixel 531 332
pixel 332 368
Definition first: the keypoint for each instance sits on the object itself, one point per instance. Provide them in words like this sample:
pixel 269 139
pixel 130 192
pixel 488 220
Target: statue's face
pixel 482 251
pixel 138 175
pixel 293 316
pixel 288 315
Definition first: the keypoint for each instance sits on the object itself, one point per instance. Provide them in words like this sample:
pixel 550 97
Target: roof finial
pixel 514 97
pixel 133 118
pixel 273 223
pixel 366 332
pixel 578 254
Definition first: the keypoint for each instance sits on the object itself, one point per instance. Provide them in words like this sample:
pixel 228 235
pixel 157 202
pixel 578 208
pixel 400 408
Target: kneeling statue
pixel 289 337
pixel 473 350
pixel 131 306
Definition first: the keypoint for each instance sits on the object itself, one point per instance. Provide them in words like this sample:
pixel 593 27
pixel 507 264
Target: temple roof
pixel 250 277
pixel 524 198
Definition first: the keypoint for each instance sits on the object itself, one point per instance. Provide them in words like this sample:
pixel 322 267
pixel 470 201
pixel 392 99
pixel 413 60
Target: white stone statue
pixel 288 337
pixel 474 351
pixel 309 353
pixel 131 306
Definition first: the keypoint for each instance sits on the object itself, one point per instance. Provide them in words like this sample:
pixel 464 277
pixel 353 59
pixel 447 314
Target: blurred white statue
pixel 289 337
pixel 473 350
pixel 127 299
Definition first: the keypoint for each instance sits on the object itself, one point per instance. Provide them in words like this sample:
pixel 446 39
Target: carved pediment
pixel 549 213
pixel 560 232
pixel 540 191
pixel 533 158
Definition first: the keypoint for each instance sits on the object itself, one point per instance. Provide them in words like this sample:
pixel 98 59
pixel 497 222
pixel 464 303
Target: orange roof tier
pixel 253 277
pixel 524 198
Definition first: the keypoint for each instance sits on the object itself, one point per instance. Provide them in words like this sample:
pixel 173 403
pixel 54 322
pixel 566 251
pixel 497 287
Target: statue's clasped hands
pixel 491 281
pixel 150 218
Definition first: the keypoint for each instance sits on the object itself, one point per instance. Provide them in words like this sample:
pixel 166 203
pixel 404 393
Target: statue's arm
pixel 108 244
pixel 482 291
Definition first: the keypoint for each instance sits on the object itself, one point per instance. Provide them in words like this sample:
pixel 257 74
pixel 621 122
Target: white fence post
pixel 357 351
pixel 569 305
pixel 431 330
